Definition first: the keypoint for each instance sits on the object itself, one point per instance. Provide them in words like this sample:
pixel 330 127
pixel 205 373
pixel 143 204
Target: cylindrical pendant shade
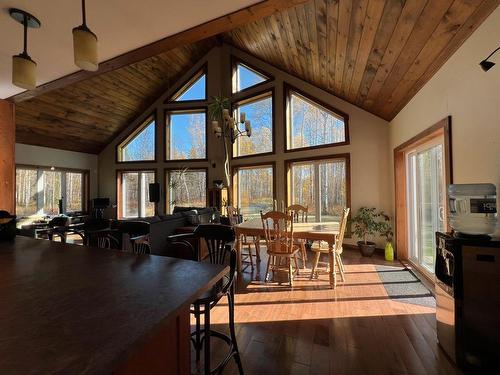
pixel 85 48
pixel 23 72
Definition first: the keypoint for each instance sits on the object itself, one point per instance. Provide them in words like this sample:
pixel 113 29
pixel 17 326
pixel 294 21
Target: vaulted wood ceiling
pixel 375 54
pixel 87 115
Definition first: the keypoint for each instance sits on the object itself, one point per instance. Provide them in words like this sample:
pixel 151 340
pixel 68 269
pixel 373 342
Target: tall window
pixel 310 124
pixel 186 188
pixel 195 89
pixel 254 190
pixel 186 135
pixel 140 145
pixel 321 185
pixel 259 110
pixel 39 190
pixel 134 194
pixel 245 77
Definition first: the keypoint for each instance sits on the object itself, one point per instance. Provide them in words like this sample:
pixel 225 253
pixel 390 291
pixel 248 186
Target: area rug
pixel 403 286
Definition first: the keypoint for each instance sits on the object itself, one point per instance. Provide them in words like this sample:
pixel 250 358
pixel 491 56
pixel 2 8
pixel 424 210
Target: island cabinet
pixel 79 310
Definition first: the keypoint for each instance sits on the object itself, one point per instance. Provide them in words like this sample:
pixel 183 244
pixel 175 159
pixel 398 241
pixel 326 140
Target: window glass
pixel 321 185
pixel 51 192
pixel 187 135
pixel 74 190
pixel 141 146
pixel 245 77
pixel 194 91
pixel 135 194
pixel 188 188
pixel 254 190
pixel 26 192
pixel 148 208
pixel 310 124
pixel 260 114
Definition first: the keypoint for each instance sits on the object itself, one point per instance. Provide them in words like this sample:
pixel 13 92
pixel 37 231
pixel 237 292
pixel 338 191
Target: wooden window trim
pixel 131 136
pixel 343 156
pixel 119 173
pixel 440 129
pixel 249 99
pixel 166 132
pixel 234 178
pixel 185 85
pixel 166 172
pixel 287 92
pixel 235 61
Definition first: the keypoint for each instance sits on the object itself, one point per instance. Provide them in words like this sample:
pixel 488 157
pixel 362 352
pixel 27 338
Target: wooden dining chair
pixel 318 249
pixel 299 215
pixel 281 249
pixel 234 216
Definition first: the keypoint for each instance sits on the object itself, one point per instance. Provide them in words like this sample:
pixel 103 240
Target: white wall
pixel 472 98
pixel 51 157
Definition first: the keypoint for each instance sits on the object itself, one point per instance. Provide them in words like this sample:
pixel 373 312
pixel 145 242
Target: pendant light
pixel 23 67
pixel 85 45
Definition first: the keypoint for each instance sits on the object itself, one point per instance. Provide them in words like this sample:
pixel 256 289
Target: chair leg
pixel 230 298
pixel 206 338
pixel 315 264
pixel 197 334
pixel 269 260
pixel 304 254
pixel 290 271
pixel 296 263
pixel 341 267
pixel 257 248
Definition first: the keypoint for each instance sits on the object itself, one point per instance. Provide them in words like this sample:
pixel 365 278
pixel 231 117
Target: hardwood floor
pixel 312 329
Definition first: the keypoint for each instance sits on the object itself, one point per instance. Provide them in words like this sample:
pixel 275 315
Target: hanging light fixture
pixel 85 45
pixel 23 67
pixel 486 64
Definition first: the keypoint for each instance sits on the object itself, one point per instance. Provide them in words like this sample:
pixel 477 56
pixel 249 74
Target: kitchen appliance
pixel 468 300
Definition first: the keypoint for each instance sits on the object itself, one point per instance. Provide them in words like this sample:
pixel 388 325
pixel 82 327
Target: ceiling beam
pixel 194 34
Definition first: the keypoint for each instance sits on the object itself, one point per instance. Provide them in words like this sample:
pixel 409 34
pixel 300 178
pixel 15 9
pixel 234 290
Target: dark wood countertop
pixel 72 309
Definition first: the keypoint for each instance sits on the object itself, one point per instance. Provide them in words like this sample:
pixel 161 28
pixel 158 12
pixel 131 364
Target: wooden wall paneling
pixel 332 19
pixel 7 157
pixel 345 8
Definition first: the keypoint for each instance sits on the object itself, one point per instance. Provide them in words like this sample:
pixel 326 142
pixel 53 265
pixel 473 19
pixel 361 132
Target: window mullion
pixel 317 191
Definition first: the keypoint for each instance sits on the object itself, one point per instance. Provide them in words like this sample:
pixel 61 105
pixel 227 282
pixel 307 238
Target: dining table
pixel 313 231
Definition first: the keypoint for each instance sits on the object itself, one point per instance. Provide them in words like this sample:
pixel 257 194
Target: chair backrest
pixel 59 221
pixel 298 212
pixel 278 231
pixel 342 226
pixel 233 214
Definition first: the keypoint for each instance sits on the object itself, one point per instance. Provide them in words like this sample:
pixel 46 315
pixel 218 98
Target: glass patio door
pixel 426 202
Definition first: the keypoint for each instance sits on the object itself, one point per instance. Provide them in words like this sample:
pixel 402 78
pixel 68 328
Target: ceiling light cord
pixel 491 54
pixel 25 27
pixel 84 16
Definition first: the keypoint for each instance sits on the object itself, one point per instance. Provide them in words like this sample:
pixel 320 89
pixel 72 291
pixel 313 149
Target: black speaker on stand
pixel 154 195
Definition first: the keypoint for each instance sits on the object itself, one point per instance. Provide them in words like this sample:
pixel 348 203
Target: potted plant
pixel 385 230
pixel 366 224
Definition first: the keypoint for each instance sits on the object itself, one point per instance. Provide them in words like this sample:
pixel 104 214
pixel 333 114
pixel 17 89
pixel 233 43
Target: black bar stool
pixel 220 243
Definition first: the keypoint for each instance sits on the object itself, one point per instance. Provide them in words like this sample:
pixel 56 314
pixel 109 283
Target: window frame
pixel 85 185
pixel 166 194
pixel 124 141
pixel 253 98
pixel 188 82
pixel 234 178
pixel 166 132
pixel 235 61
pixel 288 90
pixel 344 156
pixel 119 198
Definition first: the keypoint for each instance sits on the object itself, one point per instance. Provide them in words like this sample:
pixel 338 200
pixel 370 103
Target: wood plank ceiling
pixel 87 115
pixel 375 54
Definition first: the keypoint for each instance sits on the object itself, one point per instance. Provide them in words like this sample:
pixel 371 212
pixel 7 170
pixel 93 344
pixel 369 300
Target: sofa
pixel 181 220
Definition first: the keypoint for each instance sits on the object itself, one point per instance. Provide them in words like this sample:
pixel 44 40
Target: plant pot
pixel 367 249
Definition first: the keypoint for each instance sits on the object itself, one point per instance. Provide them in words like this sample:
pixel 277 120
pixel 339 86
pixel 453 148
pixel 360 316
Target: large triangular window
pixel 140 145
pixel 245 77
pixel 195 89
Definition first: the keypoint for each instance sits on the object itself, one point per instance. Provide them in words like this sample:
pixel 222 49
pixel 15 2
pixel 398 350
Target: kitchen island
pixel 72 309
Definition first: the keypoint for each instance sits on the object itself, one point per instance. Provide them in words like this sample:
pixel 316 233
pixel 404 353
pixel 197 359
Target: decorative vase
pixel 389 252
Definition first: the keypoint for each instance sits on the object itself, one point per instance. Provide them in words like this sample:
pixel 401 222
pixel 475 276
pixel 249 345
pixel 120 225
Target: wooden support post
pixel 7 156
